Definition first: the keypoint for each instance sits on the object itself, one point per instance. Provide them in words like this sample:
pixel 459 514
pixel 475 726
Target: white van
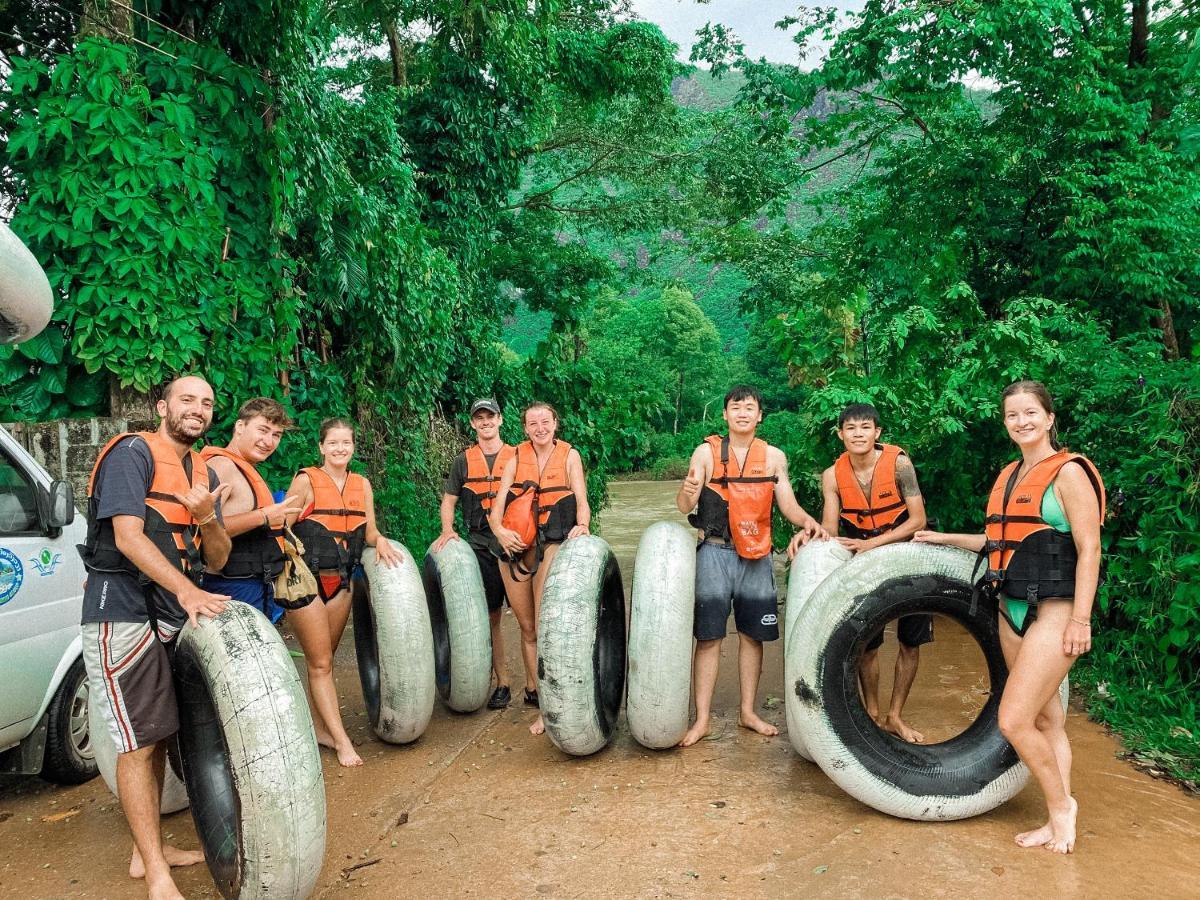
pixel 44 701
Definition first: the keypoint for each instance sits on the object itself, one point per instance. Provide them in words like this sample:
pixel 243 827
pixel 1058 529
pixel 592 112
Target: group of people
pixel 175 533
pixel 1041 540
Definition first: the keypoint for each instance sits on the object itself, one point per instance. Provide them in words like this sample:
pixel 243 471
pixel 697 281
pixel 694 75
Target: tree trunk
pixel 1169 338
pixel 103 18
pixel 678 403
pixel 1140 33
pixel 399 58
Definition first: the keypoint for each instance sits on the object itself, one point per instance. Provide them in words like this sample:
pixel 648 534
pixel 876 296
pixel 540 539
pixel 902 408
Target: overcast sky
pixel 753 21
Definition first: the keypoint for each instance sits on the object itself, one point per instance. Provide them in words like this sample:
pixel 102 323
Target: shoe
pixel 531 698
pixel 500 698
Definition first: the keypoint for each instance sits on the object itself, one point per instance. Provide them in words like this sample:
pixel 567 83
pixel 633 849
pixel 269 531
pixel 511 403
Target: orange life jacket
pixel 1027 558
pixel 480 484
pixel 167 522
pixel 554 507
pixel 335 532
pixel 736 507
pixel 257 553
pixel 866 517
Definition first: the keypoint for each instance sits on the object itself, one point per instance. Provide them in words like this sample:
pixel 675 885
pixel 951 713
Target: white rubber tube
pixel 581 646
pixel 26 301
pixel 965 776
pixel 814 562
pixel 663 606
pixel 462 637
pixel 250 757
pixel 395 631
pixel 174 792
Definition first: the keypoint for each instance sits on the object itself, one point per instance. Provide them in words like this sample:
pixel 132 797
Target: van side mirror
pixel 61 511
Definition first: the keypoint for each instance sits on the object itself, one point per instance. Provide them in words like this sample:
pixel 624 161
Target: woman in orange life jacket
pixel 337 522
pixel 544 490
pixel 1043 544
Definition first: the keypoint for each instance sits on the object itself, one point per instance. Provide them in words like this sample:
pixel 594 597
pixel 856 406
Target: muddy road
pixel 479 807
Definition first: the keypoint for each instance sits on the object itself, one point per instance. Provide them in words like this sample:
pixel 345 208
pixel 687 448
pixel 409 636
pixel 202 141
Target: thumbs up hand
pixel 691 484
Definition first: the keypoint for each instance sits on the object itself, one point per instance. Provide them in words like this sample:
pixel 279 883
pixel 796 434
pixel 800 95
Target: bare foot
pixel 754 723
pixel 538 727
pixel 162 888
pixel 897 726
pixel 1035 838
pixel 347 756
pixel 695 733
pixel 173 855
pixel 1063 825
pixel 324 739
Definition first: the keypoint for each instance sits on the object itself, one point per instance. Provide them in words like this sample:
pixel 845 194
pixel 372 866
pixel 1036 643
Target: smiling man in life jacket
pixel 154 523
pixel 732 482
pixel 253 520
pixel 872 494
pixel 474 480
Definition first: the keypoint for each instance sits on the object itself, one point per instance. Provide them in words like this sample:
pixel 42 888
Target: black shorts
pixel 724 580
pixel 913 631
pixel 493 584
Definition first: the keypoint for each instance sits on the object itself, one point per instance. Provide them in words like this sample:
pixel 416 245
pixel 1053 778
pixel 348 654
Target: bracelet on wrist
pixel 210 518
pixel 1085 622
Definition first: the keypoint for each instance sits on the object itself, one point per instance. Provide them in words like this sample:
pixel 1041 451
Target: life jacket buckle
pixel 1031 593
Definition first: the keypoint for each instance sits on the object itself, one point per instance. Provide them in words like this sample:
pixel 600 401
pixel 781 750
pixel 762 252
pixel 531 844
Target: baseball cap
pixel 485 403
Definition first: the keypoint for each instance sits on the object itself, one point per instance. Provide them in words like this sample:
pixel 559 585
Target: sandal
pixel 531 698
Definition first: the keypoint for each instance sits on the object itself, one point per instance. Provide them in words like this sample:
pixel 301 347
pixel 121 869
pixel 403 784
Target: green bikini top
pixel 1052 511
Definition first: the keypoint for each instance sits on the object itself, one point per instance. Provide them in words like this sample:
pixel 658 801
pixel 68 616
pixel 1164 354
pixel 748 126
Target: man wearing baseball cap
pixel 473 479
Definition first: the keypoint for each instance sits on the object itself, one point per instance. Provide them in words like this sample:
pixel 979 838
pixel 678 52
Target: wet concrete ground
pixel 479 807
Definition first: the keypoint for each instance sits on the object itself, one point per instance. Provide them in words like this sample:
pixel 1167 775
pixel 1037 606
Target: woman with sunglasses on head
pixel 541 501
pixel 337 523
pixel 1043 544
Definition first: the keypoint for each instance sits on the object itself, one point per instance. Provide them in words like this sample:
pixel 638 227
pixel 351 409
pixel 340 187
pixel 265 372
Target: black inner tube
pixel 365 647
pixel 955 768
pixel 436 600
pixel 608 658
pixel 216 807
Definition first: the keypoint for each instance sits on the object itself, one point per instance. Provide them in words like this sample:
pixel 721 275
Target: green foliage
pixel 1045 231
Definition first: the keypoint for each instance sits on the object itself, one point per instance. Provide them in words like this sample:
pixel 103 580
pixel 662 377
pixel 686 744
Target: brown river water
pixel 479 807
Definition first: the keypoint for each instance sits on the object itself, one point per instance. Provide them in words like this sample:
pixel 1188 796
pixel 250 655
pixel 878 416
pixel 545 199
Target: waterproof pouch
pixel 750 517
pixel 520 515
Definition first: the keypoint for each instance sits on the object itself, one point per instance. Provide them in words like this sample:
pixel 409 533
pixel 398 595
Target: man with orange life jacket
pixel 154 524
pixel 732 482
pixel 474 480
pixel 872 494
pixel 253 520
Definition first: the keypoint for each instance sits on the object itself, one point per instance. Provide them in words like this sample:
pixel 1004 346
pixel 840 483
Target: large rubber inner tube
pixel 814 562
pixel 174 792
pixel 217 811
pixel 366 650
pixel 581 646
pixel 26 301
pixel 458 613
pixel 394 642
pixel 662 609
pixel 964 776
pixel 250 757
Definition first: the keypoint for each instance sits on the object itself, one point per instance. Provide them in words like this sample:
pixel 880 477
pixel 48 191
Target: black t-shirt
pixel 120 490
pixel 484 540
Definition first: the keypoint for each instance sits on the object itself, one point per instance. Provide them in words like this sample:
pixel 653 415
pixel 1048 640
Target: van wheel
pixel 70 758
